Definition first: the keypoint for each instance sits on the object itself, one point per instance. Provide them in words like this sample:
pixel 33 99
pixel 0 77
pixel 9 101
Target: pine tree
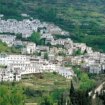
pixel 73 95
pixel 71 88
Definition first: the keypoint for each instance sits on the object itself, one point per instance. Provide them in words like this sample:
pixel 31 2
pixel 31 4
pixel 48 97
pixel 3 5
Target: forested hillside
pixel 84 19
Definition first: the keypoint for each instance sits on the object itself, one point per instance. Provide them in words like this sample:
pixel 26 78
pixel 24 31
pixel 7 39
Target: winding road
pixel 97 90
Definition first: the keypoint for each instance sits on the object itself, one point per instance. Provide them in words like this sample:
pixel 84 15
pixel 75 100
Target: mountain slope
pixel 84 19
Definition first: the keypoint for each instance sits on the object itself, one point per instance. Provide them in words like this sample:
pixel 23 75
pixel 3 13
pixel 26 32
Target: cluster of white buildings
pixel 26 27
pixel 93 62
pixel 28 62
pixel 14 66
pixel 30 48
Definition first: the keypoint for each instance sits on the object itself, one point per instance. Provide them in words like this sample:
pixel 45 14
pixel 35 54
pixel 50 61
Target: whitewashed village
pixel 50 57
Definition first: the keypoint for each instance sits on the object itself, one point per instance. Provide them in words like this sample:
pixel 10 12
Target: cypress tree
pixel 71 89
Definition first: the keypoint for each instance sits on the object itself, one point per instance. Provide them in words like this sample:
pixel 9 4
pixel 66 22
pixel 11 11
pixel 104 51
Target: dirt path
pixel 97 90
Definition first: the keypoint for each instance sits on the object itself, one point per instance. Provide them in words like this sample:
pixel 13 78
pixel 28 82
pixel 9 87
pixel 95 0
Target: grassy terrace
pixel 47 82
pixel 39 85
pixel 33 89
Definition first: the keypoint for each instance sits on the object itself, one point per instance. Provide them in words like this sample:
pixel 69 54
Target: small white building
pixel 96 68
pixel 89 50
pixel 30 48
pixel 66 72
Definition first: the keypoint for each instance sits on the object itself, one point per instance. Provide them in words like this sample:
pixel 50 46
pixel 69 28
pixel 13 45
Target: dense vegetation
pixel 36 38
pixel 16 94
pixel 5 48
pixel 11 95
pixel 84 19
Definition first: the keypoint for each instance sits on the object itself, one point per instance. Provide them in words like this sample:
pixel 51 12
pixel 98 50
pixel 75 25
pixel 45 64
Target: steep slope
pixel 85 19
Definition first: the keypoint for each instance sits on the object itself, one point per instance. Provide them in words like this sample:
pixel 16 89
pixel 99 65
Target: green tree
pixel 61 100
pixel 73 95
pixel 78 96
pixel 19 36
pixel 77 52
pixel 46 56
pixel 11 95
pixel 4 47
pixel 72 88
pixel 35 37
pixel 86 83
pixel 47 100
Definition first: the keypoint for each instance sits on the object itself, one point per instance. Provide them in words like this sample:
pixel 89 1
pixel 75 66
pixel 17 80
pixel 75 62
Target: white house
pixel 30 48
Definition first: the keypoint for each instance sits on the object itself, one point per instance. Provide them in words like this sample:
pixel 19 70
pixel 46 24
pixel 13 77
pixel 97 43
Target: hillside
pixel 84 19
